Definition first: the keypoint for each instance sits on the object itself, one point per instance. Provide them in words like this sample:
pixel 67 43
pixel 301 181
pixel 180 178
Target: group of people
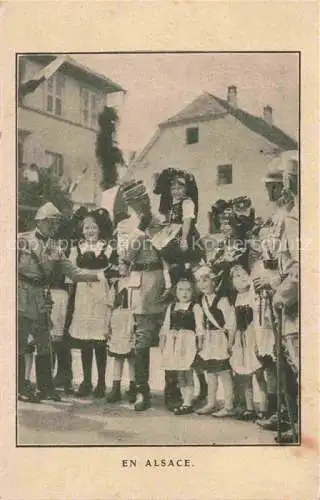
pixel 123 281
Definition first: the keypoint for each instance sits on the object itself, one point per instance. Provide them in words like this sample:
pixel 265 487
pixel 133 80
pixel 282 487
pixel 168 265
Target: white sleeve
pixel 188 209
pixel 229 315
pixel 198 316
pixel 166 323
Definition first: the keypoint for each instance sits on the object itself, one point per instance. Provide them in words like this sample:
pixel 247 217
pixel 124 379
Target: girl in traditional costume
pixel 179 243
pixel 219 332
pixel 180 338
pixel 93 302
pixel 121 342
pixel 244 360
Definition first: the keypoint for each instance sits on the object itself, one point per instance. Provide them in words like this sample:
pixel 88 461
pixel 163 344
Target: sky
pixel 160 85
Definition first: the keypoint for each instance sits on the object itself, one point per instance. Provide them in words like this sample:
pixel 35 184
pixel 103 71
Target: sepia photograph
pixel 158 256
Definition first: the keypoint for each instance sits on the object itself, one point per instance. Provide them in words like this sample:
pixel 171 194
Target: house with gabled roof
pixel 60 117
pixel 226 148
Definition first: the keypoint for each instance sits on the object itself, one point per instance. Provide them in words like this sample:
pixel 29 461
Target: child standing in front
pixel 121 343
pixel 180 338
pixel 219 332
pixel 244 359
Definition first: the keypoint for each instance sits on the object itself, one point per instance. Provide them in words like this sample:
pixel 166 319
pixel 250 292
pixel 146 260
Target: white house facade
pixel 61 114
pixel 224 147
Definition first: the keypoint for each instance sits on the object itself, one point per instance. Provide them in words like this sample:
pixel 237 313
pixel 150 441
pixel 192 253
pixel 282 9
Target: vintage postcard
pixel 162 247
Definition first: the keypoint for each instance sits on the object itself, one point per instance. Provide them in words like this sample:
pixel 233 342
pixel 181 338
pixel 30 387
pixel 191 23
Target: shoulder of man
pixel 26 241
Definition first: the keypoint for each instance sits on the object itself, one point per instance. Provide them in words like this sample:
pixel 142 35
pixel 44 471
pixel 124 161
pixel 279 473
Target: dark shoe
pixel 49 396
pixel 68 389
pixel 84 390
pixel 142 402
pixel 115 394
pixel 199 401
pixel 59 381
pixel 287 438
pixel 247 416
pixel 99 391
pixel 183 410
pixel 271 424
pixel 29 395
pixel 132 393
pixel 172 397
pixel 29 386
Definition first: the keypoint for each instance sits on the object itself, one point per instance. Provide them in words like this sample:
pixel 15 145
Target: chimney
pixel 232 96
pixel 267 115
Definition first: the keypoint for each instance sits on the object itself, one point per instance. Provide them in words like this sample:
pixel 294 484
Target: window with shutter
pixel 54 89
pixel 90 107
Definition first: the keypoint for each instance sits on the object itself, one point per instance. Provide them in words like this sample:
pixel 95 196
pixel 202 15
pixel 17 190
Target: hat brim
pixel 50 217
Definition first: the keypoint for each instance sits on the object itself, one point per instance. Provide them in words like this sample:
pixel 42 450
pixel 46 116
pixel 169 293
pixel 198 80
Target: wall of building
pixel 76 144
pixel 221 141
pixel 64 135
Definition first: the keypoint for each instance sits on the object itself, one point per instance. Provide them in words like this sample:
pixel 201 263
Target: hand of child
pixel 230 347
pixel 30 340
pixel 184 245
pixel 123 269
pixel 108 333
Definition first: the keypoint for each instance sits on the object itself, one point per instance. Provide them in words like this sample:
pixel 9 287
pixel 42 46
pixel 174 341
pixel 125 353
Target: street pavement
pixel 96 422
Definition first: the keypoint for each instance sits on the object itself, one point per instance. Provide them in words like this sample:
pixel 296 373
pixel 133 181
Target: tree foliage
pixel 33 195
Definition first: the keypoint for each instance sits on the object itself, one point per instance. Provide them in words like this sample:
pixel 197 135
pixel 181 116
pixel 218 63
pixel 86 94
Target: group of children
pixel 210 322
pixel 203 330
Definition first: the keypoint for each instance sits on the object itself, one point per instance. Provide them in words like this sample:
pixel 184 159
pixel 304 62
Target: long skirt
pixel 179 350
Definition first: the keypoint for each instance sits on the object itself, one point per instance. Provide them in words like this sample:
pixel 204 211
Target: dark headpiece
pixel 100 216
pixel 180 274
pixel 163 188
pixel 220 209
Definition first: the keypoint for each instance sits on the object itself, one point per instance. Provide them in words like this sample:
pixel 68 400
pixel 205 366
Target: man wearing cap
pixel 266 274
pixel 271 275
pixel 286 297
pixel 39 258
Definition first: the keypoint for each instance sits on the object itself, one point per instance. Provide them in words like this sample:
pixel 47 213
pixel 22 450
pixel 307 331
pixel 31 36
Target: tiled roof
pixel 204 106
pixel 79 71
pixel 208 106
